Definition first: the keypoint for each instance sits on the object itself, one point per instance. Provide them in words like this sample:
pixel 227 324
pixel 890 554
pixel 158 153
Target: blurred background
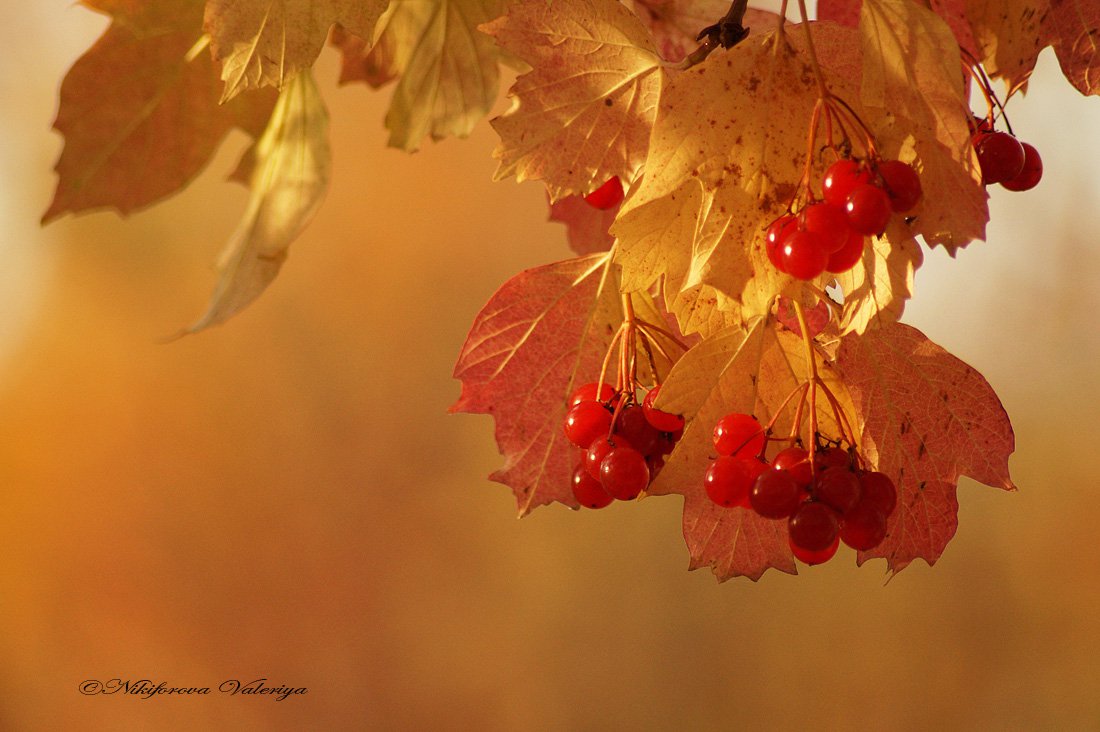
pixel 285 497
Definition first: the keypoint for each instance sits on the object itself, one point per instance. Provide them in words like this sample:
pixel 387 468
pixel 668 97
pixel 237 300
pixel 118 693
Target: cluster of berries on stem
pixel 858 197
pixel 825 493
pixel 622 441
pixel 1002 158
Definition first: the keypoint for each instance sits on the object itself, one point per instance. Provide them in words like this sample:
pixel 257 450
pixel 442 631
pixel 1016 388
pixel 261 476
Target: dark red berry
pixel 662 421
pixel 1030 175
pixel 738 434
pixel 803 255
pixel 879 491
pixel 846 257
pixel 624 473
pixel 609 195
pixel 598 450
pixel 843 177
pixel 588 491
pixel 636 429
pixel 902 184
pixel 868 209
pixel 775 494
pixel 819 557
pixel 864 527
pixel 813 526
pixel 829 222
pixel 839 488
pixel 832 457
pixel 1000 156
pixel 585 422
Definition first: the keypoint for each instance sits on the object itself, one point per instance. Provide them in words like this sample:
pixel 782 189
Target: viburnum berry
pixel 663 421
pixel 795 461
pixel 902 184
pixel 832 457
pixel 590 393
pixel 597 451
pixel 814 557
pixel 829 222
pixel 588 491
pixel 803 255
pixel 1030 175
pixel 864 527
pixel 636 429
pixel 624 473
pixel 868 209
pixel 813 526
pixel 876 489
pixel 848 255
pixel 738 434
pixel 838 488
pixel 585 422
pixel 728 480
pixel 609 195
pixel 776 236
pixel 775 494
pixel 841 178
pixel 1000 156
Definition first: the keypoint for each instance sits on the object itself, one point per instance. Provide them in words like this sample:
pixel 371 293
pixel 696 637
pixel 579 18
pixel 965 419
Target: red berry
pixel 588 491
pixel 1000 156
pixel 662 421
pixel 902 184
pixel 819 557
pixel 776 236
pixel 598 450
pixel 803 255
pixel 795 461
pixel 813 526
pixel 843 177
pixel 636 429
pixel 864 527
pixel 728 480
pixel 868 209
pixel 585 422
pixel 848 255
pixel 588 393
pixel 609 195
pixel 738 434
pixel 837 487
pixel 1030 175
pixel 879 491
pixel 775 494
pixel 832 457
pixel 624 473
pixel 829 222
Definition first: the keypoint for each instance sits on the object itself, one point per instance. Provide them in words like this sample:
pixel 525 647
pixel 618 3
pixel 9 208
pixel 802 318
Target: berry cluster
pixel 609 195
pixel 623 443
pixel 1004 159
pixel 858 199
pixel 826 501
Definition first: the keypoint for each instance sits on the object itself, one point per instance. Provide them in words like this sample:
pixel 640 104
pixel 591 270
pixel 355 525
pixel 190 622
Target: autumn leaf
pixel 584 112
pixel 447 70
pixel 288 172
pixel 879 288
pixel 750 371
pixel 543 334
pixel 1073 28
pixel 926 418
pixel 267 42
pixel 586 226
pixel 1008 36
pixel 140 114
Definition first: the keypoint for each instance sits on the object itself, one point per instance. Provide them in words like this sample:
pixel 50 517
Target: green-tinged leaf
pixel 289 173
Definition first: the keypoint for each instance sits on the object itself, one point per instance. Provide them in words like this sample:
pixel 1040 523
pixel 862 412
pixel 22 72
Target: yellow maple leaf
pixel 267 42
pixel 584 112
pixel 288 171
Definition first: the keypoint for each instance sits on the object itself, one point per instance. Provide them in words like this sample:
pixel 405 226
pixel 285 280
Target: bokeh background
pixel 286 498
